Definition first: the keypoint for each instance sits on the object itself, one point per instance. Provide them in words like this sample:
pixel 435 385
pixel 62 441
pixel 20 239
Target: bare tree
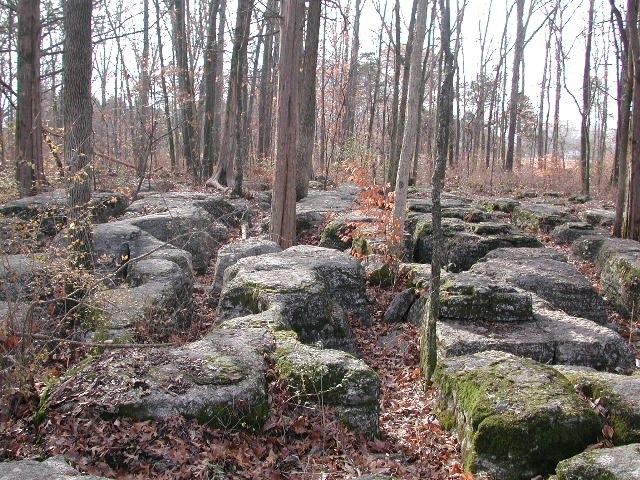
pixel 28 136
pixel 283 204
pixel 78 133
pixel 586 106
pixel 445 114
pixel 411 129
pixel 348 120
pixel 518 51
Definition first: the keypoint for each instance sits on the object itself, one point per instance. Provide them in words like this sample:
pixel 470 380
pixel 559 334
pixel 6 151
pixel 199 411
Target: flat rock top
pixel 54 468
pixel 618 463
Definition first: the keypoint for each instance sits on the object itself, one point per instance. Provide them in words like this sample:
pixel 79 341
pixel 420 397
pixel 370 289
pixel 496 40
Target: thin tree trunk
pixel 445 112
pixel 392 171
pixel 348 124
pixel 586 107
pixel 308 101
pixel 265 106
pixel 515 86
pixel 210 67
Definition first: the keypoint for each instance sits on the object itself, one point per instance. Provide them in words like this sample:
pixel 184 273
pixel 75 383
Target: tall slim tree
pixel 29 164
pixel 308 100
pixel 210 66
pixel 586 106
pixel 348 120
pixel 283 204
pixel 445 116
pixel 78 126
pixel 514 99
pixel 411 129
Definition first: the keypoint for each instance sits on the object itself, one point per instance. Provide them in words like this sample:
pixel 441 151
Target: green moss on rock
pixel 515 417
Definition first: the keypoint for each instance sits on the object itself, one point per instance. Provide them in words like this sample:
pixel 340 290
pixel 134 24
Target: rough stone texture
pixel 545 275
pixel 554 337
pixel 377 271
pixel 215 205
pixel 515 417
pixel 598 217
pixel 313 209
pixel 619 463
pixel 539 217
pixel 341 232
pixel 506 205
pixel 189 228
pixel 331 377
pixel 54 468
pixel 21 276
pixel 50 208
pixel 470 297
pixel 463 247
pixel 229 254
pixel 417 275
pixel 423 202
pixel 399 307
pixel 219 380
pixel 587 246
pixel 313 286
pixel 571 231
pixel 619 265
pixel 618 394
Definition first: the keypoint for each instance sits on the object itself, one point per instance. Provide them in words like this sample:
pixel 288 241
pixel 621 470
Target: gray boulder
pixel 54 468
pixel 619 264
pixel 399 307
pixel 586 247
pixel 571 231
pixel 229 254
pixel 313 209
pixel 331 377
pixel 515 418
pixel 619 395
pixel 314 287
pixel 619 463
pixel 598 217
pixel 218 380
pixel 540 218
pixel 546 275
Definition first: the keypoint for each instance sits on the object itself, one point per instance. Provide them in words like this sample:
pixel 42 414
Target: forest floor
pixel 299 441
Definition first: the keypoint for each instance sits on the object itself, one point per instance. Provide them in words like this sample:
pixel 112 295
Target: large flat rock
pixel 544 273
pixel 219 380
pixel 618 394
pixel 313 287
pixel 619 264
pixel 54 468
pixel 554 337
pixel 539 217
pixel 515 418
pixel 619 463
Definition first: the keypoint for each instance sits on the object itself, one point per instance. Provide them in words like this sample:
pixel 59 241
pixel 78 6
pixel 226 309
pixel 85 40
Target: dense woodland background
pixel 187 91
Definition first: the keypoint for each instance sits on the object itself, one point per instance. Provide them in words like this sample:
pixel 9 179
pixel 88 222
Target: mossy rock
pixel 619 263
pixel 506 205
pixel 218 380
pixel 331 377
pixel 515 418
pixel 619 394
pixel 539 218
pixel 571 231
pixel 598 217
pixel 472 297
pixel 618 463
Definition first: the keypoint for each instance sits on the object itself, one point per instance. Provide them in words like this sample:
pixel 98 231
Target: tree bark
pixel 445 114
pixel 28 136
pixel 78 133
pixel 515 85
pixel 210 67
pixel 265 106
pixel 411 131
pixel 586 106
pixel 348 122
pixel 283 205
pixel 308 101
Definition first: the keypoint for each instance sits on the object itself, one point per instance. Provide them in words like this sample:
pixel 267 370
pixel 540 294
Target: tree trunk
pixel 586 107
pixel 265 107
pixel 283 205
pixel 143 141
pixel 28 136
pixel 186 93
pixel 308 101
pixel 515 86
pixel 348 121
pixel 78 134
pixel 392 172
pixel 411 130
pixel 445 113
pixel 210 67
pixel 230 149
pixel 631 226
